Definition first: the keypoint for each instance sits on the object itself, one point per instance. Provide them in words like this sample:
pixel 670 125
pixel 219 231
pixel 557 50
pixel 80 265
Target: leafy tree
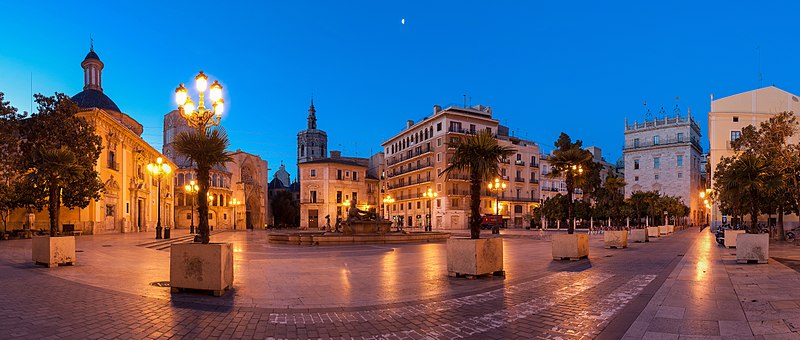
pixel 768 141
pixel 555 208
pixel 205 149
pixel 59 153
pixel 285 210
pixel 480 156
pixel 9 159
pixel 571 161
pixel 743 181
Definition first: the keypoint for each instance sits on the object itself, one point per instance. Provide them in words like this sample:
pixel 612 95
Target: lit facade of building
pixel 330 186
pixel 416 157
pixel 244 179
pixel 129 202
pixel 665 155
pixel 726 119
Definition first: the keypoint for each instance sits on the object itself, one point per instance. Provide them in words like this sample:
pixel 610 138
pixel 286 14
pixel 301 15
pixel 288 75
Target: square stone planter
pixel 572 247
pixel 662 230
pixel 473 257
pixel 752 248
pixel 639 235
pixel 730 237
pixel 53 251
pixel 201 267
pixel 615 239
pixel 670 229
pixel 652 232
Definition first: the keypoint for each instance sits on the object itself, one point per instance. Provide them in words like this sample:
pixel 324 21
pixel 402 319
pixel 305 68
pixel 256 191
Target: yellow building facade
pixel 726 119
pixel 129 202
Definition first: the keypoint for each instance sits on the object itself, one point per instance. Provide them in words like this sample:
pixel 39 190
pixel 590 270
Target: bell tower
pixel 92 71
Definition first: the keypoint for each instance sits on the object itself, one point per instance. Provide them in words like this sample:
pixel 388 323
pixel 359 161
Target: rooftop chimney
pixel 336 154
pixel 409 124
pixel 436 109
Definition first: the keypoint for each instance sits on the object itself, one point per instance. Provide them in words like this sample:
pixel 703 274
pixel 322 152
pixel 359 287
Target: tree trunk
pixel 754 214
pixel 203 234
pixel 475 205
pixel 781 233
pixel 571 206
pixel 53 204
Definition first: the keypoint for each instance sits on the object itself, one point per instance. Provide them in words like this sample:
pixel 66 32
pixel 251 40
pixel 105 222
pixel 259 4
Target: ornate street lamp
pixel 159 170
pixel 497 187
pixel 430 195
pixel 386 201
pixel 234 202
pixel 201 119
pixel 191 189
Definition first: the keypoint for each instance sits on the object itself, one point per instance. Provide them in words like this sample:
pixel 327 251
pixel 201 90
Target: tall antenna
pixel 760 78
pixel 465 101
pixel 31 111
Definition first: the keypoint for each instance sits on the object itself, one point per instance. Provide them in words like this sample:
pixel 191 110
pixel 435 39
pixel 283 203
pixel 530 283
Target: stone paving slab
pixel 385 292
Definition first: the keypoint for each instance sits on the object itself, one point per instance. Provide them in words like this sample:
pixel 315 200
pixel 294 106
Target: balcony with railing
pixel 405 156
pixel 519 179
pixel 521 163
pixel 458 192
pixel 534 165
pixel 402 184
pixel 534 181
pixel 505 161
pixel 458 177
pixel 312 201
pixel 410 168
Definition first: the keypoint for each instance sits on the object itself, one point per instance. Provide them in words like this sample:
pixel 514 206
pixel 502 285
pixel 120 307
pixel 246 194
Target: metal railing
pixel 403 157
pixel 312 201
pixel 407 183
pixel 519 179
pixel 410 168
pixel 522 163
pixel 534 181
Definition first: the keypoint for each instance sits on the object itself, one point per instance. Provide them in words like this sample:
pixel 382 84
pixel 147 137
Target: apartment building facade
pixel 665 155
pixel 416 157
pixel 726 119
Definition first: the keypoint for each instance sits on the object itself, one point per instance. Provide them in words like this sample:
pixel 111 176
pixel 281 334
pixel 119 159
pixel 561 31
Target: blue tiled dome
pixel 93 98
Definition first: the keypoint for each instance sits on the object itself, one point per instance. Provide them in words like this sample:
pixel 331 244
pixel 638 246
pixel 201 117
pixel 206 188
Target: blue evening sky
pixel 581 68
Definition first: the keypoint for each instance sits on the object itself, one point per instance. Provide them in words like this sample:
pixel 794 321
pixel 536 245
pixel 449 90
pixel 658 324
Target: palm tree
pixel 480 155
pixel 744 182
pixel 55 168
pixel 569 160
pixel 206 149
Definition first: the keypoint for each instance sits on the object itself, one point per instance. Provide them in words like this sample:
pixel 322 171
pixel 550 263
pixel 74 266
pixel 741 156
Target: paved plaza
pixel 681 286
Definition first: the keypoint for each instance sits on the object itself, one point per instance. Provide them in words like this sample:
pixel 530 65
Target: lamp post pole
pixel 497 187
pixel 191 188
pixel 430 195
pixel 158 170
pixel 234 202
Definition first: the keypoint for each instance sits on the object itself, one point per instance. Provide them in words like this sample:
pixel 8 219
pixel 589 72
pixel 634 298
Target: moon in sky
pixel 403 21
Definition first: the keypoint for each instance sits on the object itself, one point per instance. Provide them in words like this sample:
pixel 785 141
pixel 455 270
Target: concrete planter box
pixel 652 232
pixel 662 230
pixel 201 266
pixel 616 239
pixel 638 235
pixel 670 229
pixel 53 251
pixel 573 247
pixel 730 237
pixel 474 257
pixel 752 248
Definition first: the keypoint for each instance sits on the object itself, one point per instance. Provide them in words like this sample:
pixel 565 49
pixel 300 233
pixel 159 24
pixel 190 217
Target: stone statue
pixel 356 214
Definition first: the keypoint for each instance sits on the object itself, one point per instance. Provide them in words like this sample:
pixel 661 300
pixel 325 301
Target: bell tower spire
pixel 312 116
pixel 92 70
